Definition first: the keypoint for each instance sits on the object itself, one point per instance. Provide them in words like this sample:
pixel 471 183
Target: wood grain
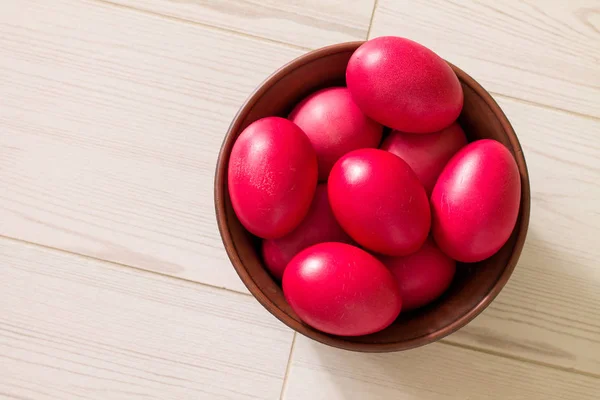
pixel 541 51
pixel 550 309
pixel 73 327
pixel 308 23
pixel 111 120
pixel 111 124
pixel 435 372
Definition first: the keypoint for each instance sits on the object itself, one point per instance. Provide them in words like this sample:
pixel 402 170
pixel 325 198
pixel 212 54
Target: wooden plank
pixel 308 24
pixel 73 327
pixel 111 125
pixel 437 372
pixel 550 309
pixel 542 51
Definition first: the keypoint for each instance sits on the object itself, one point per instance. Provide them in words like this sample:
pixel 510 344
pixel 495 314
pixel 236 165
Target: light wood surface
pixel 307 23
pixel 72 326
pixel 435 372
pixel 112 120
pixel 111 116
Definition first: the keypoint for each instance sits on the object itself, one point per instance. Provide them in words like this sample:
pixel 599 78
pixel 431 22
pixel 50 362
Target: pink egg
pixel 341 289
pixel 335 126
pixel 272 177
pixel 318 226
pixel 426 153
pixel 475 202
pixel 422 276
pixel 379 201
pixel 404 85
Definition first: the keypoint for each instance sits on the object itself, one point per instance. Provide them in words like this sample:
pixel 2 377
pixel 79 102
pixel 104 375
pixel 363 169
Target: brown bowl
pixel 475 285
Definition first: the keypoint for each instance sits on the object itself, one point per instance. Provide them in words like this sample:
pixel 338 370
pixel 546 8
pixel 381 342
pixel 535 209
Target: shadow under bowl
pixel 474 286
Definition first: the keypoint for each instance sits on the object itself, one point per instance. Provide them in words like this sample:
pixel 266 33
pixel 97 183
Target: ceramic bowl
pixel 475 285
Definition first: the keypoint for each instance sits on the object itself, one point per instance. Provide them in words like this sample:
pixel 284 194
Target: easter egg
pixel 335 126
pixel 475 202
pixel 426 153
pixel 378 200
pixel 422 276
pixel 318 226
pixel 404 85
pixel 272 176
pixel 341 289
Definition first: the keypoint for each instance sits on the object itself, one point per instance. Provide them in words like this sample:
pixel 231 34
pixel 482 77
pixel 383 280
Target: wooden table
pixel 113 280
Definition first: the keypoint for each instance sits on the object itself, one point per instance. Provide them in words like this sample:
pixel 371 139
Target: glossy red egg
pixel 341 289
pixel 422 276
pixel 335 126
pixel 404 85
pixel 426 153
pixel 377 198
pixel 272 177
pixel 318 226
pixel 475 202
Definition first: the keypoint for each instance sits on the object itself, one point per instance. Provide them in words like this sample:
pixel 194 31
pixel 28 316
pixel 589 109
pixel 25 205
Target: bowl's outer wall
pixel 474 286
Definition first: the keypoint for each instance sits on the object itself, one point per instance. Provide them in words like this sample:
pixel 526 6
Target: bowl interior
pixel 474 286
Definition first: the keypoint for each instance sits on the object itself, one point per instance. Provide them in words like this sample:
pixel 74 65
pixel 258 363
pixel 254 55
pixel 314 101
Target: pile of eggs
pixel 358 226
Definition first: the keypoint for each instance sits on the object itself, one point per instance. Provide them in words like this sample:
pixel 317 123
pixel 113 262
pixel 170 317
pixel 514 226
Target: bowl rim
pixel 338 341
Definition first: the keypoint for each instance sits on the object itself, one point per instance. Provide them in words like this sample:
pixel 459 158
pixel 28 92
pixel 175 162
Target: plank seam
pixel 287 368
pixel 202 24
pixel 375 4
pixel 463 346
pixel 122 265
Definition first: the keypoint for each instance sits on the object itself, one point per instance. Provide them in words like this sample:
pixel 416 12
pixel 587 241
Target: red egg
pixel 335 126
pixel 404 85
pixel 379 201
pixel 427 154
pixel 475 202
pixel 272 177
pixel 422 276
pixel 341 289
pixel 318 226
